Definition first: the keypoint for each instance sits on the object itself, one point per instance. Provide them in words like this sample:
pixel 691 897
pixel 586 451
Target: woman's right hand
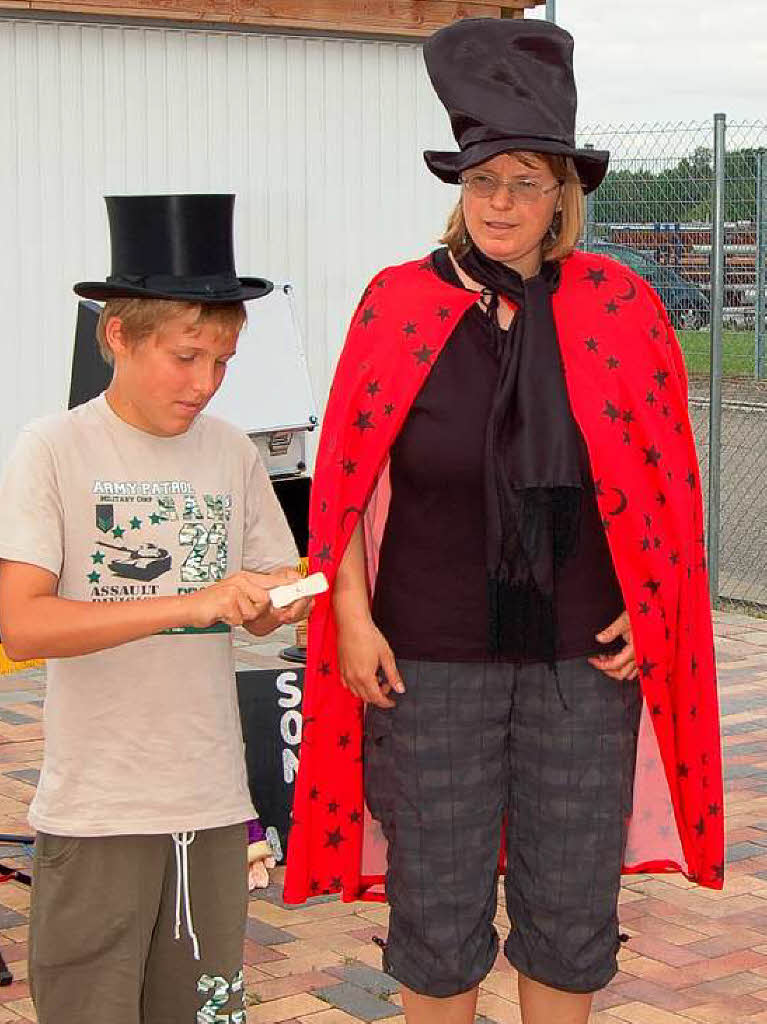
pixel 367 662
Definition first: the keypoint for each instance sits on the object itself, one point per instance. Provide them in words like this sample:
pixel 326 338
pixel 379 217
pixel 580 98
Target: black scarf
pixel 533 474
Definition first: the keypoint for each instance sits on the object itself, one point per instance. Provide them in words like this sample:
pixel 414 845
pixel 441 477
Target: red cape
pixel 628 390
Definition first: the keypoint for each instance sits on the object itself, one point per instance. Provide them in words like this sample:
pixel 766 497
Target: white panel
pixel 320 138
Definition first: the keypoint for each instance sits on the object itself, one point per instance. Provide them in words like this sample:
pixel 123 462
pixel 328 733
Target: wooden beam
pixel 408 18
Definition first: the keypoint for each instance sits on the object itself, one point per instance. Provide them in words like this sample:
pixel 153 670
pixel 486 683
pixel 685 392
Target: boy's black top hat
pixel 173 247
pixel 507 85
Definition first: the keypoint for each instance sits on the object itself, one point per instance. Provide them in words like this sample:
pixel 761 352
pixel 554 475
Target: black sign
pixel 270 709
pixel 90 374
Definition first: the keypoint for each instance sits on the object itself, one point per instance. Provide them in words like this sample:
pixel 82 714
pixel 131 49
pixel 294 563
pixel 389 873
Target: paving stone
pixel 21 697
pixel 273 894
pixel 742 851
pixel 266 934
pixel 14 718
pixel 10 918
pixel 12 852
pixel 367 978
pixel 744 771
pixel 30 775
pixel 357 1001
pixel 283 1009
pixel 256 954
pixel 736 728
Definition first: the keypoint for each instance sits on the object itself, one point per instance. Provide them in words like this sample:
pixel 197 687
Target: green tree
pixel 682 192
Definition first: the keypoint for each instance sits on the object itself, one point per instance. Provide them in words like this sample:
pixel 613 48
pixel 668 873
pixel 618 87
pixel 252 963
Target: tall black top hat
pixel 507 85
pixel 173 247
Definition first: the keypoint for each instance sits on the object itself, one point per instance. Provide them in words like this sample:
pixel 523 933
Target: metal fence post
pixel 760 370
pixel 717 316
pixel 588 230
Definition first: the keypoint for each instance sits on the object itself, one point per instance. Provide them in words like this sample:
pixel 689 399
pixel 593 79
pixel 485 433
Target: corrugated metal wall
pixel 321 139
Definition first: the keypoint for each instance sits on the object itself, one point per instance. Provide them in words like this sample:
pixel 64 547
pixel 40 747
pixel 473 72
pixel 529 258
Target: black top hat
pixel 173 247
pixel 507 85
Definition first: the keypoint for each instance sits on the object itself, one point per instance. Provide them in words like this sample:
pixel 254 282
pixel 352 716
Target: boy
pixel 134 533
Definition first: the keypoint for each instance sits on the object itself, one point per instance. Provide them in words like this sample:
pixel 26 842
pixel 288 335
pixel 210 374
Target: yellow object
pixel 7 666
pixel 302 627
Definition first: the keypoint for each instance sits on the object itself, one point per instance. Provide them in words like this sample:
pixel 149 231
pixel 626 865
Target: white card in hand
pixel 287 593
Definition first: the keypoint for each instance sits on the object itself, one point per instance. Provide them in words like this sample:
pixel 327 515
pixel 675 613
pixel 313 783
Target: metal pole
pixel 551 10
pixel 760 276
pixel 717 316
pixel 588 233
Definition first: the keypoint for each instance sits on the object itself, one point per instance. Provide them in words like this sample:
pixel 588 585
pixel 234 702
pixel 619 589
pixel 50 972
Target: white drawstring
pixel 181 842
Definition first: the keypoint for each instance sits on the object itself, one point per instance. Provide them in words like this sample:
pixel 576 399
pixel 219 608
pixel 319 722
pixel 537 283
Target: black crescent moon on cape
pixel 622 503
pixel 630 294
pixel 351 508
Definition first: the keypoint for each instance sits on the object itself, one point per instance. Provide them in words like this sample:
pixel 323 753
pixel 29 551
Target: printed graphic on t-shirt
pixel 156 538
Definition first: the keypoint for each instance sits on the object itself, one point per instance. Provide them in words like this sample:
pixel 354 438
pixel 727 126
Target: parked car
pixel 687 306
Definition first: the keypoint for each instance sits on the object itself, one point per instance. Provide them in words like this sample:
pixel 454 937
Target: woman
pixel 507 503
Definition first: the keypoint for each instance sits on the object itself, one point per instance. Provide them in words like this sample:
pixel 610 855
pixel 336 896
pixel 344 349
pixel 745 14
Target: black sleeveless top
pixel 430 598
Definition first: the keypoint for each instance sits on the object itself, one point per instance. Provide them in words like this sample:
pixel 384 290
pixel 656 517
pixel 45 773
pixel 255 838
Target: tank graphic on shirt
pixel 144 563
pixel 157 538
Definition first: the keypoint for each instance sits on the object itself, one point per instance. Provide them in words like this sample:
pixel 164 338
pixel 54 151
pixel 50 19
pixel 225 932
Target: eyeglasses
pixel 521 190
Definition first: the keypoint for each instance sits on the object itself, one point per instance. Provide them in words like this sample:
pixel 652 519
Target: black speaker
pixel 293 495
pixel 90 374
pixel 272 723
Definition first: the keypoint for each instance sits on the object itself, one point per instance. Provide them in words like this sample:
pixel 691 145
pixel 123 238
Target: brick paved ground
pixel 693 955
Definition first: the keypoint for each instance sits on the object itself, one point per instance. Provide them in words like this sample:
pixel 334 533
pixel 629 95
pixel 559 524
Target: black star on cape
pixel 646 668
pixel 652 455
pixel 364 420
pixel 334 838
pixel 610 411
pixel 324 554
pixel 596 276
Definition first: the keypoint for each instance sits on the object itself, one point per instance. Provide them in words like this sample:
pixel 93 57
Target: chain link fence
pixel 657 213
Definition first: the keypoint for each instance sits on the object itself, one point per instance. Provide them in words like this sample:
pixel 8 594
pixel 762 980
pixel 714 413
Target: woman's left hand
pixel 623 664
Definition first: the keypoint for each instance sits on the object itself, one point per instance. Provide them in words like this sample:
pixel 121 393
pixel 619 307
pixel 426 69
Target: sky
pixel 667 60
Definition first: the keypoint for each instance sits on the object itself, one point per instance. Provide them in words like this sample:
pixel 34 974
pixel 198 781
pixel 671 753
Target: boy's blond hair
pixel 567 226
pixel 141 317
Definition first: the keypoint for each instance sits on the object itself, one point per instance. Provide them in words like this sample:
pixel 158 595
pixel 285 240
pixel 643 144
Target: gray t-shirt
pixel 145 737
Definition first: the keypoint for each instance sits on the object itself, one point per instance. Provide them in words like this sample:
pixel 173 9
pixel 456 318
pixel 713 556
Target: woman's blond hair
pixel 141 317
pixel 567 225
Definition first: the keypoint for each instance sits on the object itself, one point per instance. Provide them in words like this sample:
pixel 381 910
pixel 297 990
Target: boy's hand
pixel 235 600
pixel 271 618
